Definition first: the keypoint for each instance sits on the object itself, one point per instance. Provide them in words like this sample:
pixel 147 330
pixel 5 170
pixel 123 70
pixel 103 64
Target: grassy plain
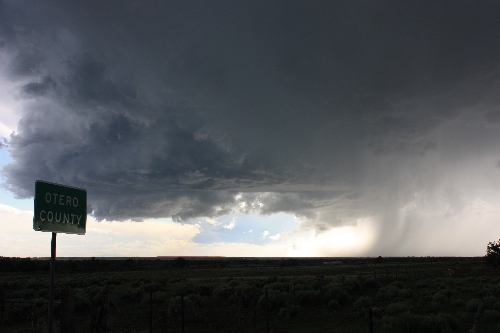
pixel 228 295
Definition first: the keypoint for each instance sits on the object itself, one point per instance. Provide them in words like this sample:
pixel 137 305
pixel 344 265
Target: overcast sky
pixel 321 128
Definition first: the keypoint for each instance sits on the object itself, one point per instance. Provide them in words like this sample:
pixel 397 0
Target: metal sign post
pixel 58 208
pixel 51 281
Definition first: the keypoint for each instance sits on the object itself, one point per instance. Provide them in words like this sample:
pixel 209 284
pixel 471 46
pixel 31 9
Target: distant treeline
pixel 104 265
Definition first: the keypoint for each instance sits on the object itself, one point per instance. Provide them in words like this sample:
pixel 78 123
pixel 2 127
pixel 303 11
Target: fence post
pixel 163 320
pixel 239 312
pixel 182 313
pixel 67 310
pixel 386 275
pixel 254 312
pixel 370 323
pixel 322 291
pixel 476 318
pixel 93 319
pixel 2 308
pixel 289 302
pixel 99 317
pixel 267 311
pixel 151 311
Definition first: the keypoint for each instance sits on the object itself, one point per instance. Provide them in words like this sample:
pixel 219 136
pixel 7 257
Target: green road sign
pixel 60 208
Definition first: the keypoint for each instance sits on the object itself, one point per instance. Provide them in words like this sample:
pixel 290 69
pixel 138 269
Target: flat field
pixel 229 295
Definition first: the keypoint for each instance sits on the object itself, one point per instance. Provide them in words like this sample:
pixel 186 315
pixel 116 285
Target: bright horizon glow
pixel 163 237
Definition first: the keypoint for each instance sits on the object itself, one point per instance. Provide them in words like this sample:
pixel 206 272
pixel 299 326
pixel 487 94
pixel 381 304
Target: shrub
pixel 15 313
pixel 352 284
pixel 333 304
pixel 450 282
pixel 472 305
pixel 318 282
pixel 362 304
pixel 181 262
pixel 467 290
pixel 308 297
pixel 294 311
pixel 408 323
pixel 486 291
pixel 387 292
pixel 370 283
pixel 338 294
pixel 43 293
pixel 203 289
pixel 136 295
pixel 302 286
pixel 458 302
pixel 491 316
pixel 483 279
pixel 398 308
pixel 232 282
pixel 452 322
pixel 421 284
pixel 82 304
pixel 183 289
pixel 151 287
pixel 223 292
pixel 405 293
pixel 447 292
pixel 175 306
pixel 404 323
pixel 161 296
pixel 440 298
pixel 441 285
pixel 489 301
pixel 271 279
pixel 276 299
pixel 194 301
pixel 115 281
pixel 397 284
pixel 277 286
pixel 303 281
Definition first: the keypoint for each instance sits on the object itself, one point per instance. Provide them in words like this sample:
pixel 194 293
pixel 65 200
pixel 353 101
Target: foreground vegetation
pixel 229 295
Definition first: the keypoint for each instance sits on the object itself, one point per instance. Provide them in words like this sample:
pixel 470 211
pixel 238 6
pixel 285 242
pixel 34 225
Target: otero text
pixel 61 199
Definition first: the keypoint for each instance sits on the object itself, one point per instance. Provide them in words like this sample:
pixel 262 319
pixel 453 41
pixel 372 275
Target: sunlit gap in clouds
pixel 337 242
pixel 242 228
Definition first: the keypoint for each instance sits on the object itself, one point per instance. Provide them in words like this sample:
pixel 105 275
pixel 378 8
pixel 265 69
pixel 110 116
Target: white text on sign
pixel 59 217
pixel 61 199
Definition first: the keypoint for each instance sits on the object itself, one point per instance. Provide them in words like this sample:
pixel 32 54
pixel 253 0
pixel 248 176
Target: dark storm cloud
pixel 327 110
pixel 34 89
